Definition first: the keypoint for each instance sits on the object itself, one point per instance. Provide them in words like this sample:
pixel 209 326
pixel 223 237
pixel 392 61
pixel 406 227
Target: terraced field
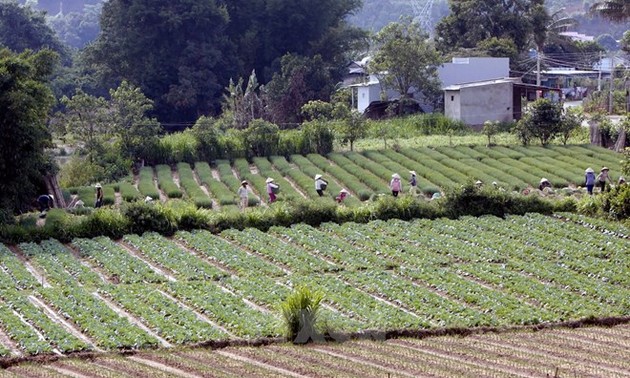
pixel 150 291
pixel 363 174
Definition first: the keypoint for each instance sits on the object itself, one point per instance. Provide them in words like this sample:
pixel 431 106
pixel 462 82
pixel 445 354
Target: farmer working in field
pixel 589 180
pixel 272 189
pixel 602 177
pixel 320 185
pixel 544 183
pixel 342 196
pixel 243 194
pixel 413 183
pixel 395 185
pixel 45 202
pixel 99 196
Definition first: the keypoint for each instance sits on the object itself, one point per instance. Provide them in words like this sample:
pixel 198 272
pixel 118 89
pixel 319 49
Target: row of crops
pixel 363 174
pixel 144 291
pixel 584 352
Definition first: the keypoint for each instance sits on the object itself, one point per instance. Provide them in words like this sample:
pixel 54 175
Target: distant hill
pixel 53 7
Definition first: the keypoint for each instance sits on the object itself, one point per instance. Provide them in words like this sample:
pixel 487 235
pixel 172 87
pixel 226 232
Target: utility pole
pixel 538 59
pixel 599 77
pixel 612 83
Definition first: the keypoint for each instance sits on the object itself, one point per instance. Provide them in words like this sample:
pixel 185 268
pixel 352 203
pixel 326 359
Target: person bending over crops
pixel 320 185
pixel 342 196
pixel 272 189
pixel 395 185
pixel 544 183
pixel 45 202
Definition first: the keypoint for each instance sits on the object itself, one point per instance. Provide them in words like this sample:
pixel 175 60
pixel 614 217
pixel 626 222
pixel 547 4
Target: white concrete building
pixel 459 70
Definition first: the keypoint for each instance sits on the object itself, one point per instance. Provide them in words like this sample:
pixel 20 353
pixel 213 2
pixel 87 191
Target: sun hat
pixel 621 179
pixel 243 182
pixel 269 179
pixel 97 186
pixel 396 175
pixel 51 197
pixel 604 169
pixel 478 182
pixel 318 176
pixel 344 191
pixel 494 183
pixel 413 173
pixel 589 170
pixel 544 180
pixel 436 195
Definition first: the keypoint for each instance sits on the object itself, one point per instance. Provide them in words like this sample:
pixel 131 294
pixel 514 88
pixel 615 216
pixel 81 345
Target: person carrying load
pixel 320 185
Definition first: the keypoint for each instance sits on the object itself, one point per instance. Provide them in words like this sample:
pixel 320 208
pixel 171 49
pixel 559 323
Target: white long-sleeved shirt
pixel 318 183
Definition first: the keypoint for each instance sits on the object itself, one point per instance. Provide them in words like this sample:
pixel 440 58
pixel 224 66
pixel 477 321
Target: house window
pixel 452 98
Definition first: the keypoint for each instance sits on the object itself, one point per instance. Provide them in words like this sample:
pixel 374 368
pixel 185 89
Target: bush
pixel 103 222
pixel 149 217
pixel 300 311
pixel 616 202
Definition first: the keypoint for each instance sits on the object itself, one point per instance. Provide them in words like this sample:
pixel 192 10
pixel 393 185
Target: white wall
pixel 466 70
pixel 367 94
pixel 452 105
pixel 486 103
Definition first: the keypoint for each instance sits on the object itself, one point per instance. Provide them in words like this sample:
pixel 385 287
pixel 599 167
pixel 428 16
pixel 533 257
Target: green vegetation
pixel 300 312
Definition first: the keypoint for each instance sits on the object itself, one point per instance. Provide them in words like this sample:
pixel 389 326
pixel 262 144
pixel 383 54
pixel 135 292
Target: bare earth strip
pixel 66 325
pixel 67 372
pixel 9 344
pixel 271 368
pixel 163 197
pixel 137 254
pixel 395 372
pixel 164 368
pixel 199 316
pixel 118 200
pixel 38 276
pixel 132 319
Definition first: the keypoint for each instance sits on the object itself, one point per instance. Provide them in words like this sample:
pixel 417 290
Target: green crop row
pixel 304 182
pixel 192 188
pixel 311 170
pixel 344 176
pixel 166 183
pixel 265 169
pixel 218 189
pixel 128 192
pixel 146 184
pixel 375 183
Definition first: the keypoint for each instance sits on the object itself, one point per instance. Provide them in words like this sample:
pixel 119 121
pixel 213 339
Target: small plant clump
pixel 300 313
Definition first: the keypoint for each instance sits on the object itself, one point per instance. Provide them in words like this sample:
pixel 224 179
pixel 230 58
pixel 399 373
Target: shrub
pixel 146 185
pixel 300 311
pixel 166 183
pixel 149 217
pixel 103 222
pixel 616 202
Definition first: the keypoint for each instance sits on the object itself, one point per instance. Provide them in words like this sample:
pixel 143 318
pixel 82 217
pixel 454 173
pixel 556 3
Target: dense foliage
pixel 25 101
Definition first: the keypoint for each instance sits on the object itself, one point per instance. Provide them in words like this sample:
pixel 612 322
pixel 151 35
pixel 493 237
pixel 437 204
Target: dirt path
pixel 38 276
pixel 59 320
pixel 132 319
pixel 395 372
pixel 253 169
pixel 9 344
pixel 259 363
pixel 247 302
pixel 165 368
pixel 118 200
pixel 215 174
pixel 77 255
pixel 163 197
pixel 135 180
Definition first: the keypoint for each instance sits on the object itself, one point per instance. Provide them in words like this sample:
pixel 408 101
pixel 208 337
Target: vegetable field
pixel 151 291
pixel 584 352
pixel 365 174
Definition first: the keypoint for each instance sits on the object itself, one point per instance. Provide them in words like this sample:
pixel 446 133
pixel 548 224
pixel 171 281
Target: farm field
pixel 150 291
pixel 364 174
pixel 583 352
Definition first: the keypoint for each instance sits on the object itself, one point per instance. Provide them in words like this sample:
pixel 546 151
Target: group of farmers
pixel 590 180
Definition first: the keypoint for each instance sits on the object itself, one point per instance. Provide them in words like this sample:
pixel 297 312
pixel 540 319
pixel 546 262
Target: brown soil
pixel 272 368
pixel 163 367
pixel 215 174
pixel 118 200
pixel 390 369
pixel 175 175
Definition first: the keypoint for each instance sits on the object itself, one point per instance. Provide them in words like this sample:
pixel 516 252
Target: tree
pixel 175 51
pixel 405 60
pixel 615 10
pixel 300 80
pixel 22 28
pixel 624 44
pixel 242 107
pixel 85 117
pixel 25 101
pixel 136 133
pixel 544 121
pixel 472 21
pixel 352 128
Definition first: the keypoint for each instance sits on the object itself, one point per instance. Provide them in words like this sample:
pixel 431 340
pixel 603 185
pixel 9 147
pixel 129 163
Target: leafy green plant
pixel 300 312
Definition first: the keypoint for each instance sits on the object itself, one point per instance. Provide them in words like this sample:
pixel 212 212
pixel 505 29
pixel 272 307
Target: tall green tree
pixel 23 28
pixel 25 102
pixel 405 59
pixel 176 51
pixel 472 21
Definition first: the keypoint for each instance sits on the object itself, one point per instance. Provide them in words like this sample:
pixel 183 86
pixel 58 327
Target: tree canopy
pixel 405 59
pixel 25 101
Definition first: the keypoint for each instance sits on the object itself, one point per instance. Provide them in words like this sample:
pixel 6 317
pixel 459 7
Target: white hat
pixel 51 197
pixel 621 179
pixel 413 173
pixel 544 180
pixel 604 169
pixel 344 191
pixel 97 186
pixel 243 182
pixel 478 182
pixel 269 179
pixel 148 199
pixel 396 175
pixel 436 195
pixel 318 176
pixel 494 183
pixel 589 170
